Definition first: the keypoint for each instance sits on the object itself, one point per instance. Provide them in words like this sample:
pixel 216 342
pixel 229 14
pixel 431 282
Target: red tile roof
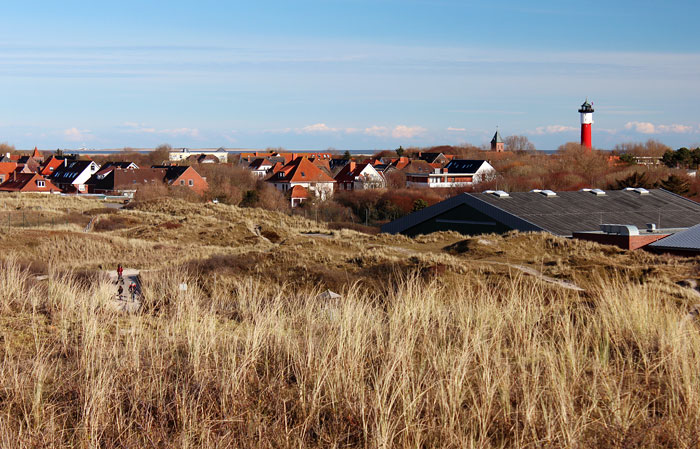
pixel 301 170
pixel 350 172
pixel 28 182
pixel 299 192
pixel 51 163
pixel 36 154
pixel 7 167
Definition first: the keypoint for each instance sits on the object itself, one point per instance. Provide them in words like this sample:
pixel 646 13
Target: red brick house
pixel 119 181
pixel 28 182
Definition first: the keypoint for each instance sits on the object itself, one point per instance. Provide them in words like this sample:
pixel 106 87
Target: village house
pixel 72 175
pixel 28 183
pixel 302 172
pixel 261 167
pixel 125 181
pixel 185 153
pixel 355 176
pixel 184 176
pixel 457 173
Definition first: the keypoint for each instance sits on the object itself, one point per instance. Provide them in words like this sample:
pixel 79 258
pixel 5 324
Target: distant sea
pixel 236 151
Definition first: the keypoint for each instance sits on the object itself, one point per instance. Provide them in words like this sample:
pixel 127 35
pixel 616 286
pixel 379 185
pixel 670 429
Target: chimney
pixel 352 166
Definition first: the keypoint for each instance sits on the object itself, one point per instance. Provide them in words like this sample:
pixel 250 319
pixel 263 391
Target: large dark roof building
pixel 560 213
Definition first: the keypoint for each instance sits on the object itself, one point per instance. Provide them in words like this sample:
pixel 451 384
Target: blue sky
pixel 348 74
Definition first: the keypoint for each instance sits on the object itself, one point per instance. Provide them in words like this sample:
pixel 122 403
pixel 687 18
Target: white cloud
pixel 316 128
pixel 377 131
pixel 76 134
pixel 641 127
pixel 190 132
pixel 457 130
pixel 407 132
pixel 552 129
pixel 650 128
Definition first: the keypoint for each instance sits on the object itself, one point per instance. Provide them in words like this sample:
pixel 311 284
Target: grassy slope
pixel 439 340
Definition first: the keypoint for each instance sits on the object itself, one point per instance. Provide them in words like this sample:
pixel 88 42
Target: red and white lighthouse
pixel 586 111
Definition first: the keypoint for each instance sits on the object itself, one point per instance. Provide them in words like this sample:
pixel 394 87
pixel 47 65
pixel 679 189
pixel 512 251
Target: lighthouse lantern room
pixel 586 111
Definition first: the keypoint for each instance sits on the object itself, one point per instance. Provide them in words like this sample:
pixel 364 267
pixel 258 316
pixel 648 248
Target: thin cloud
pixel 75 134
pixel 552 129
pixel 457 130
pixel 651 128
pixel 141 128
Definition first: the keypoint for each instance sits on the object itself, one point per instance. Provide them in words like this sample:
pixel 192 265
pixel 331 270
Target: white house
pixel 184 153
pixel 359 177
pixel 457 173
pixel 72 175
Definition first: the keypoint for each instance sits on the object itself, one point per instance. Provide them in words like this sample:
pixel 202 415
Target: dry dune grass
pixel 513 363
pixel 431 344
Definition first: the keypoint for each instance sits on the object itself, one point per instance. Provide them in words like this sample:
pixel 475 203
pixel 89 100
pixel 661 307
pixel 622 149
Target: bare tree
pixel 519 144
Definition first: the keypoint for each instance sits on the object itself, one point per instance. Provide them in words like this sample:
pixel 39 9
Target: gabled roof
pixel 688 240
pixel 36 154
pixel 260 162
pixel 401 162
pixel 464 166
pixel 122 165
pixel 351 171
pixel 7 167
pixel 51 163
pixel 67 173
pixel 430 157
pixel 417 166
pixel 27 182
pixel 564 212
pixel 300 170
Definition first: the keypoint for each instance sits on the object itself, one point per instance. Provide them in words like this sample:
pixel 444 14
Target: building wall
pixel 176 156
pixel 199 184
pixel 462 219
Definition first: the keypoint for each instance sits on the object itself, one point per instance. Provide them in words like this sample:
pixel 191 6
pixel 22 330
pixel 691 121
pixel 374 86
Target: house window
pixel 182 182
pixel 190 182
pixel 40 184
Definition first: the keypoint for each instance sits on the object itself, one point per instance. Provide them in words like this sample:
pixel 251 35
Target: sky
pixel 346 74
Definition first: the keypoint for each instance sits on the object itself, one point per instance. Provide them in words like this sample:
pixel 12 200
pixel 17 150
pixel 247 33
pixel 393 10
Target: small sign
pixel 183 287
